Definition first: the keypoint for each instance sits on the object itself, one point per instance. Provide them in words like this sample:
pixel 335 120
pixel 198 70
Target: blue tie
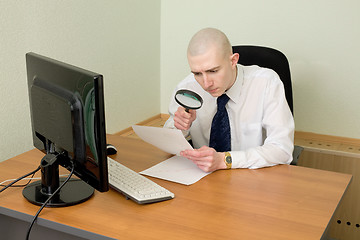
pixel 220 137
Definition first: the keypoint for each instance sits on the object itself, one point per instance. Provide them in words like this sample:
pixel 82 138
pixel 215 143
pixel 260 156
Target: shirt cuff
pixel 186 134
pixel 238 159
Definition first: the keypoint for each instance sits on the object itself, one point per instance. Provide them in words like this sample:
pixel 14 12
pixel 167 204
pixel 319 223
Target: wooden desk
pixel 281 202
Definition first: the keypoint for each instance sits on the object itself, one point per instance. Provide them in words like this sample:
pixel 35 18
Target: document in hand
pixel 166 139
pixel 176 169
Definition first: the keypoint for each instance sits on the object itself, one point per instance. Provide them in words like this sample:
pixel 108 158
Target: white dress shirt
pixel 261 123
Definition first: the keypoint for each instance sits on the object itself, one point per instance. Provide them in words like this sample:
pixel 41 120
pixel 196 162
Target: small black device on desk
pixel 110 149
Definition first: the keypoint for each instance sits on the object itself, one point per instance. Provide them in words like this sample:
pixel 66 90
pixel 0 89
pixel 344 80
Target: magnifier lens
pixel 188 99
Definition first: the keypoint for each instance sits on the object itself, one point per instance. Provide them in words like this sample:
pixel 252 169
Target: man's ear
pixel 234 59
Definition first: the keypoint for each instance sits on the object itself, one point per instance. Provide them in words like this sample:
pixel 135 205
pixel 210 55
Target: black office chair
pixel 277 61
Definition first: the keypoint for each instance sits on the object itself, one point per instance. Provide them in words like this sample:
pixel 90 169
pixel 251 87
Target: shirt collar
pixel 235 90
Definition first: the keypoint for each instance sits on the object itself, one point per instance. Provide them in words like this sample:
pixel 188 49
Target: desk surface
pixel 281 202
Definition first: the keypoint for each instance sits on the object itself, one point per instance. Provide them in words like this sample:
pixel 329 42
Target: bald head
pixel 208 38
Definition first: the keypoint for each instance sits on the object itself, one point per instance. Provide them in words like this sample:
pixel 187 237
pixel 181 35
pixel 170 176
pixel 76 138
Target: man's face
pixel 214 72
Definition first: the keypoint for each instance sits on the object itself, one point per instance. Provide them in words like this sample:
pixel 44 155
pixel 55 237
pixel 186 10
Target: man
pixel 260 124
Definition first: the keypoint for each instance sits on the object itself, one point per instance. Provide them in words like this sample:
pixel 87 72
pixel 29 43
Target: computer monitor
pixel 68 125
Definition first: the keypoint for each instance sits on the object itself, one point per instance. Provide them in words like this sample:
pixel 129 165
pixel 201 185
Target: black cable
pixel 20 178
pixel 47 200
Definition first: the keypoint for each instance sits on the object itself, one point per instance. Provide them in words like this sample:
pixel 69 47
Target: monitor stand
pixel 75 191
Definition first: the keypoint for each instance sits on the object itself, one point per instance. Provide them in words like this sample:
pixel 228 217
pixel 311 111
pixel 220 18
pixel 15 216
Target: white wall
pixel 121 39
pixel 320 38
pixel 117 38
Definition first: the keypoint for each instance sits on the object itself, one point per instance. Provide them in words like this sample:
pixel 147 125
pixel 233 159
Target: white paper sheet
pixel 176 169
pixel 168 140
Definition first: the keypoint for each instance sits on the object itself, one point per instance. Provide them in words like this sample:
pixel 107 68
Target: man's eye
pixel 213 70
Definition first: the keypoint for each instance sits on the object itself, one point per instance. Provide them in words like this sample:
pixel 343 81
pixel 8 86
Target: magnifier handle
pixel 187 110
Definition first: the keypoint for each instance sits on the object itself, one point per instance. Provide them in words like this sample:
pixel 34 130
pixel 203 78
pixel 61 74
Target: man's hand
pixel 206 158
pixel 183 119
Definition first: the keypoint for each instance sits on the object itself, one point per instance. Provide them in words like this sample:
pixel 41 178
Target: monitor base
pixel 73 192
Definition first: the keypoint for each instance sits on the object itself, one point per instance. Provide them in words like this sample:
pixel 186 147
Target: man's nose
pixel 207 81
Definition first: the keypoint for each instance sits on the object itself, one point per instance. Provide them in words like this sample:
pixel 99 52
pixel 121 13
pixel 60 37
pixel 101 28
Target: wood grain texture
pixel 281 202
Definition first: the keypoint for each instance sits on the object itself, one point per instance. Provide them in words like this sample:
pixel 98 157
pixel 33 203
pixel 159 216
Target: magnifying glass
pixel 188 99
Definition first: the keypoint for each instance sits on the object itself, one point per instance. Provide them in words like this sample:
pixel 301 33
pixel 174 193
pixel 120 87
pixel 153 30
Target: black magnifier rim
pixel 191 93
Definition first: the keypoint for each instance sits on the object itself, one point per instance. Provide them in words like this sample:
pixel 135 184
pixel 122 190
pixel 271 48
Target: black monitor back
pixel 67 116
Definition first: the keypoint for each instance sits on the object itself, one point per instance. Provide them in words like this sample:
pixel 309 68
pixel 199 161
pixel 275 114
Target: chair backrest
pixel 269 58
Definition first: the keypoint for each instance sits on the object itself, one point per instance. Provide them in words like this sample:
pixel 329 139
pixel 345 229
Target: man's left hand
pixel 206 158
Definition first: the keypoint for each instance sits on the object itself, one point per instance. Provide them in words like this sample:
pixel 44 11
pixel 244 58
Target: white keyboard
pixel 135 186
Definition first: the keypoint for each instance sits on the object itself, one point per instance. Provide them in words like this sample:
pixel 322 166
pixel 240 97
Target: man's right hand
pixel 183 119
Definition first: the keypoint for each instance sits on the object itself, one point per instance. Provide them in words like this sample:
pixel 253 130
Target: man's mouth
pixel 213 90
